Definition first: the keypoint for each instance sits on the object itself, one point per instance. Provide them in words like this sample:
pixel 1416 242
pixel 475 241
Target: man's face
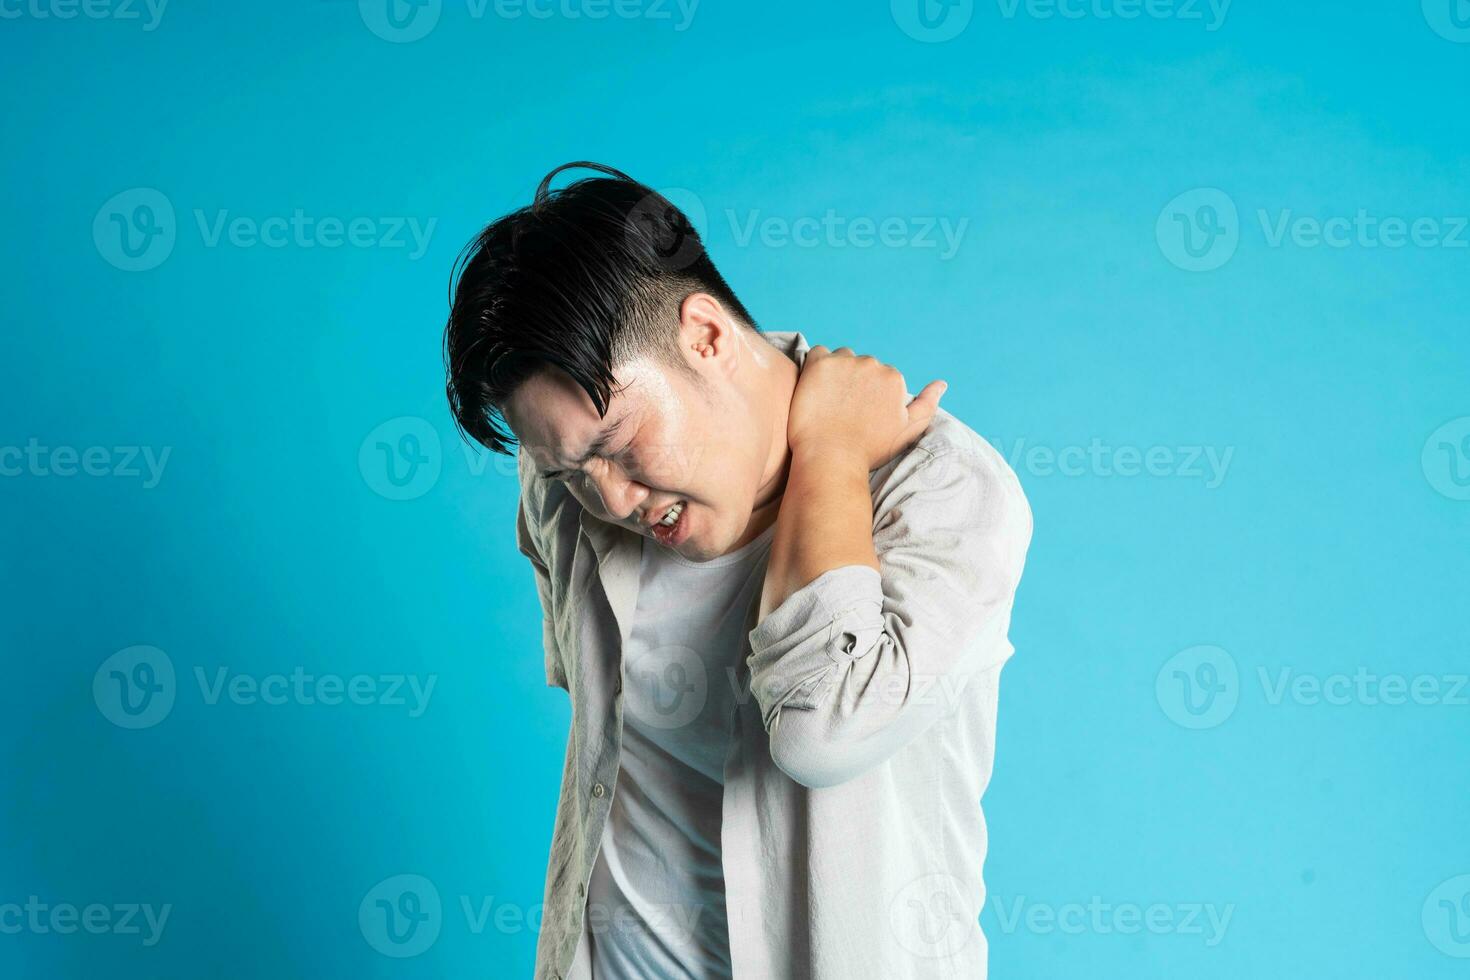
pixel 667 438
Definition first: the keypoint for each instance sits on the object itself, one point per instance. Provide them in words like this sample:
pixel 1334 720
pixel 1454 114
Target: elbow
pixel 806 755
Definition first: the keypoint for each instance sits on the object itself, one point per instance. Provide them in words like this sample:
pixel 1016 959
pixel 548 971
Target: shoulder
pixel 547 504
pixel 954 475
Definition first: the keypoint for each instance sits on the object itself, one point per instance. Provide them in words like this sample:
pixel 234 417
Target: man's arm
pixel 825 522
pixel 858 662
pixel 859 627
pixel 849 415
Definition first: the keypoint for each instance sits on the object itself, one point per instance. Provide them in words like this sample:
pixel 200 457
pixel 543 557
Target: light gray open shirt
pixel 863 733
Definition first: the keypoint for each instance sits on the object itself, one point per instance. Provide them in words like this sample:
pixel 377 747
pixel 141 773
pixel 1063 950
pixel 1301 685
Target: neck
pixel 780 382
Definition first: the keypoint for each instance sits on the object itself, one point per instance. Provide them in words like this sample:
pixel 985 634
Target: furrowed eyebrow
pixel 598 445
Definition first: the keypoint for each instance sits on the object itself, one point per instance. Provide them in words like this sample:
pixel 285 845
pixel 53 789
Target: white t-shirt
pixel 656 898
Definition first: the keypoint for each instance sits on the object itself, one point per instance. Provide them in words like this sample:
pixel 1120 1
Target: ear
pixel 707 334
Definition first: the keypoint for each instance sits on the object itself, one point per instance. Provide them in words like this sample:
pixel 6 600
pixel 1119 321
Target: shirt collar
pixel 792 343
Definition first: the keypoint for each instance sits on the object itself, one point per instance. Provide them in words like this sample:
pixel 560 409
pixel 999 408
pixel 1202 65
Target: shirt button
pixel 598 790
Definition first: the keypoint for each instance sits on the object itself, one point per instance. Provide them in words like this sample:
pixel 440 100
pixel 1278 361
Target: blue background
pixel 1335 541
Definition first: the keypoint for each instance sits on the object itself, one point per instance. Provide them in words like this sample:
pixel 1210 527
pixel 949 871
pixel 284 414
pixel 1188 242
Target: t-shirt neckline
pixel 720 561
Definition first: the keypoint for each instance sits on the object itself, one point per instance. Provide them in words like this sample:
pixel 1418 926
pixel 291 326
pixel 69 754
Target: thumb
pixel 926 402
pixel 922 409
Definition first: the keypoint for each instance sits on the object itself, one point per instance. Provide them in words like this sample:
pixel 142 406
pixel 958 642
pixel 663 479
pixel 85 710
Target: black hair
pixel 586 278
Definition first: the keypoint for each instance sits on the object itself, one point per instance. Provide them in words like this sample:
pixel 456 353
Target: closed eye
pixel 625 453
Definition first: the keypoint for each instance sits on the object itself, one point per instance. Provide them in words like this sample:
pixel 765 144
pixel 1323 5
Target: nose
pixel 620 496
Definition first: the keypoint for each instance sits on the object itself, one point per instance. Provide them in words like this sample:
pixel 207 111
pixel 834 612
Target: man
pixel 777 590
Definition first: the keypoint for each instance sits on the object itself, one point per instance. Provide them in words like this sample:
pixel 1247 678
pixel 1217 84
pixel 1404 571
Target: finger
pixel 921 412
pixel 926 402
pixel 931 395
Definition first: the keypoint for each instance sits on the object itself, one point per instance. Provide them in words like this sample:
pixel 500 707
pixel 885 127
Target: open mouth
pixel 671 529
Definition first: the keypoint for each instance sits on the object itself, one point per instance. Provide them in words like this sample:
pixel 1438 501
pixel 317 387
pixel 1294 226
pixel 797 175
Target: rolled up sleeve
pixel 858 663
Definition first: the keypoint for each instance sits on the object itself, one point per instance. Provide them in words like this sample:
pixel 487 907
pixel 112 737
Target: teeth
pixel 671 517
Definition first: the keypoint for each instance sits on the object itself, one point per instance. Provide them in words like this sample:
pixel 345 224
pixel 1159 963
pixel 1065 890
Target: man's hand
pixel 849 416
pixel 857 406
